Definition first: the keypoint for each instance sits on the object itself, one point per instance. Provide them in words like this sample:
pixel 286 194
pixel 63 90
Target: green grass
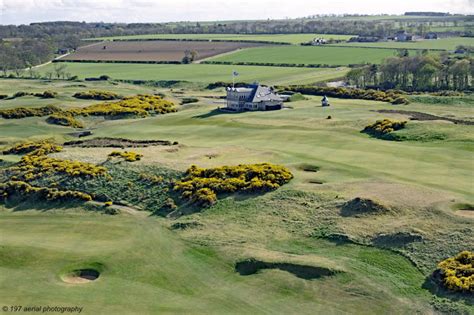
pixel 149 269
pixel 285 38
pixel 443 44
pixel 308 55
pixel 201 72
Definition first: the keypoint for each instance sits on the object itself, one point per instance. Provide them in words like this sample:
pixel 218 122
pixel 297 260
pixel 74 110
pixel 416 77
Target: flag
pixel 235 73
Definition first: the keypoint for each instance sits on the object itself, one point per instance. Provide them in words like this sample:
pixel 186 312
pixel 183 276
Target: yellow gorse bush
pixel 25 190
pixel 128 156
pixel 457 272
pixel 385 126
pixel 41 147
pixel 64 119
pixel 139 105
pixel 36 163
pixel 201 185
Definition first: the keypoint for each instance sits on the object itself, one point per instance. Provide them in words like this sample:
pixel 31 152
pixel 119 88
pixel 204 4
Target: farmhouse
pixel 253 97
pixel 403 36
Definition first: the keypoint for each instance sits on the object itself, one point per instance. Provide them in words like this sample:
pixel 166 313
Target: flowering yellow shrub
pixel 384 127
pixel 22 112
pixel 42 147
pixel 139 105
pixel 36 163
pixel 25 190
pixel 65 119
pixel 457 273
pixel 128 156
pixel 97 95
pixel 202 185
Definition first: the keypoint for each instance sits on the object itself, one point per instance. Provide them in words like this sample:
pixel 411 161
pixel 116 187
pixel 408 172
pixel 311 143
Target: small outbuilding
pixel 325 101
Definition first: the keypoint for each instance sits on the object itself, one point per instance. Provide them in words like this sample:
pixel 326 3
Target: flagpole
pixel 233 79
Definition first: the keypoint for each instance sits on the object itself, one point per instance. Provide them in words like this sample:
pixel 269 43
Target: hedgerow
pixel 27 191
pixel 97 95
pixel 201 185
pixel 457 273
pixel 22 112
pixel 128 156
pixel 64 120
pixel 383 128
pixel 391 96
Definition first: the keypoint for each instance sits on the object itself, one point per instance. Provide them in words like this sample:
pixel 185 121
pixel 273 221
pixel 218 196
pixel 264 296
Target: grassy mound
pixel 201 185
pixel 360 207
pixel 457 273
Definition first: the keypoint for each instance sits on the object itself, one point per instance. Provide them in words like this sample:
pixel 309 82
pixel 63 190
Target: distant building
pixel 431 35
pixel 253 97
pixel 318 41
pixel 403 36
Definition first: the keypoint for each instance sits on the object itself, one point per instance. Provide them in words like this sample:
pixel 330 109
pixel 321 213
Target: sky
pixel 27 11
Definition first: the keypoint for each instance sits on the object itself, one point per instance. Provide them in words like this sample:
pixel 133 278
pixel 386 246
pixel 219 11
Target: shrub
pixel 64 120
pixel 22 112
pixel 189 100
pixel 20 94
pixel 37 164
pixel 26 191
pixel 97 95
pixel 391 96
pixel 47 94
pixel 229 179
pixel 457 273
pixel 139 105
pixel 3 96
pixel 128 156
pixel 383 128
pixel 45 146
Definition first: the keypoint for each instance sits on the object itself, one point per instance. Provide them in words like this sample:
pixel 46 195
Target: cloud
pixel 26 11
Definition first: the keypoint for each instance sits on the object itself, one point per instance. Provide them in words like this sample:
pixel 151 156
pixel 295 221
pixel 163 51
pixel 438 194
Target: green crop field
pixel 186 264
pixel 308 55
pixel 201 72
pixel 443 43
pixel 284 38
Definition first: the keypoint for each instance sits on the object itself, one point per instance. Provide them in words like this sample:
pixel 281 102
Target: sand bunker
pixel 81 276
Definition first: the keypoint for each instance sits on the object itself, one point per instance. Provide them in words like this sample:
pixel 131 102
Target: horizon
pixel 24 12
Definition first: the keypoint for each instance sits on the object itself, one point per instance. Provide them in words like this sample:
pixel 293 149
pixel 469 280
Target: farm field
pixel 152 50
pixel 308 55
pixel 201 72
pixel 441 44
pixel 284 38
pixel 154 264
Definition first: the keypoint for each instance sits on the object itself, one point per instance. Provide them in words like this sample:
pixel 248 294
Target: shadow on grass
pixel 433 284
pixel 216 112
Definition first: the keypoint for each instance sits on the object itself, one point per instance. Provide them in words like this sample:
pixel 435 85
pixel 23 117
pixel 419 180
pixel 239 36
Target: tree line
pixel 424 72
